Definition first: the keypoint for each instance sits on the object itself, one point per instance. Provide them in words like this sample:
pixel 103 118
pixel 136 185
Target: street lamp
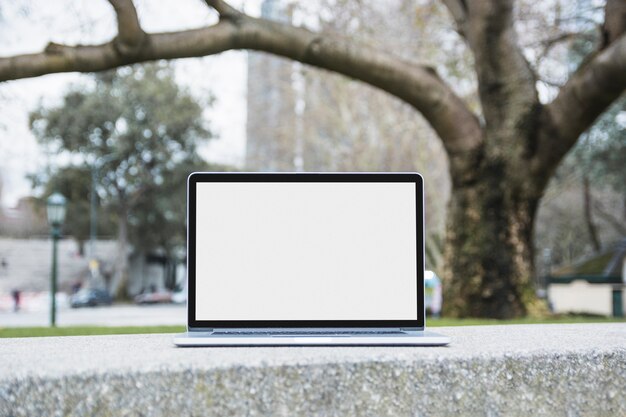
pixel 56 215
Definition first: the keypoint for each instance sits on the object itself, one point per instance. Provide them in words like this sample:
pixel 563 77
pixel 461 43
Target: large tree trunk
pixel 489 248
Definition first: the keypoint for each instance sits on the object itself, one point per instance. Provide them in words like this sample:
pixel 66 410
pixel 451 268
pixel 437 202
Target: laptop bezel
pixel 199 177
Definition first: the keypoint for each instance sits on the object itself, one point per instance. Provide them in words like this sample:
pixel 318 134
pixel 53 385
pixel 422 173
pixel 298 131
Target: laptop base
pixel 416 338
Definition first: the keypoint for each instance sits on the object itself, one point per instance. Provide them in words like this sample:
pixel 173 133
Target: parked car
pixel 156 297
pixel 91 297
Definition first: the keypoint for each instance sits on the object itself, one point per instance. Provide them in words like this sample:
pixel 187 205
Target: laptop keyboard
pixel 299 333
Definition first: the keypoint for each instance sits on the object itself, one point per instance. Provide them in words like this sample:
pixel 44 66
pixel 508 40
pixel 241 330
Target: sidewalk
pixel 116 315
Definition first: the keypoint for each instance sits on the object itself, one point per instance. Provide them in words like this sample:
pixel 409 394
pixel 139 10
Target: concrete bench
pixel 518 370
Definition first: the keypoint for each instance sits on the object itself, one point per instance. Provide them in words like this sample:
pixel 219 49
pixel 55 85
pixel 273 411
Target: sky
pixel 28 25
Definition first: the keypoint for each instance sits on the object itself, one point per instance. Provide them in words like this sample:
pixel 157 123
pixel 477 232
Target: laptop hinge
pixel 199 329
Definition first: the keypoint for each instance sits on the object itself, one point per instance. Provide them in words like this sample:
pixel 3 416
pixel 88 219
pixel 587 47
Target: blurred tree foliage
pixel 140 131
pixel 586 196
pixel 158 220
pixel 584 209
pixel 602 151
pixel 74 182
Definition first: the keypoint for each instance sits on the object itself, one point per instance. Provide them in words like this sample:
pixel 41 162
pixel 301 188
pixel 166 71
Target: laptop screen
pixel 306 252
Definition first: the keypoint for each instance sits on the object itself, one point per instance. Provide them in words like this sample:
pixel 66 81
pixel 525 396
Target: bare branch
pixel 563 37
pixel 130 35
pixel 609 218
pixel 223 9
pixel 614 20
pixel 588 93
pixel 92 58
pixel 597 83
pixel 458 10
pixel 549 43
pixel 418 85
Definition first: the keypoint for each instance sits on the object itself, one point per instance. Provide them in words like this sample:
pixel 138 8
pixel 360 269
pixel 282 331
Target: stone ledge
pixel 523 370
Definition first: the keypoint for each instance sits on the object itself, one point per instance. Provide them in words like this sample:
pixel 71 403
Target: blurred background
pixel 118 145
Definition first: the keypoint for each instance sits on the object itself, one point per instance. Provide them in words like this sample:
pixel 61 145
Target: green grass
pixel 103 330
pixel 565 319
pixel 85 330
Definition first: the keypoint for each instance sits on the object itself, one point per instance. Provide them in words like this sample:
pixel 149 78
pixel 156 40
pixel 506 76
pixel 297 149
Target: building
pixel 271 143
pixel 594 286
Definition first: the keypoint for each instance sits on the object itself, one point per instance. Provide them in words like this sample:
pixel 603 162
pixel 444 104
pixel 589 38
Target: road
pixel 116 315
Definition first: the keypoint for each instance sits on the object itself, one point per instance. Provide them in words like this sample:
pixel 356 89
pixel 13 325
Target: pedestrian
pixel 16 300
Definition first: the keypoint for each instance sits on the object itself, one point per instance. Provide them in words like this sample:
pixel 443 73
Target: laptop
pixel 305 259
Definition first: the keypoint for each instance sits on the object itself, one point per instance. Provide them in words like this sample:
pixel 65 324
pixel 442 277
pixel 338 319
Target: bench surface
pixel 565 369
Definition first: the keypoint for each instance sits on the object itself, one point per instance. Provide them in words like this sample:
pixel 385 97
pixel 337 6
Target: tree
pixel 584 207
pixel 600 157
pixel 500 162
pixel 602 151
pixel 126 129
pixel 158 221
pixel 74 182
pixel 585 203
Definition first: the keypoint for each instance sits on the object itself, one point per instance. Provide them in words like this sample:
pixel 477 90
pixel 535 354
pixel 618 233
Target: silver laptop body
pixel 293 259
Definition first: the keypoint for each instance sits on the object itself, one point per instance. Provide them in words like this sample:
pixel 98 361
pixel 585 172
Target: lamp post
pixel 56 215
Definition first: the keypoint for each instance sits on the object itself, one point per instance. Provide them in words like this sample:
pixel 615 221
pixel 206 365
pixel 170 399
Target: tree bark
pixel 489 243
pixel 488 255
pixel 591 226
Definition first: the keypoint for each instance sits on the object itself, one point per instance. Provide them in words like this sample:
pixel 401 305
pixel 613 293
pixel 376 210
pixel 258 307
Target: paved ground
pixel 121 315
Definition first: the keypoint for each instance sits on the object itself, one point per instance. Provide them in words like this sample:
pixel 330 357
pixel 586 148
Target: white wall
pixel 580 296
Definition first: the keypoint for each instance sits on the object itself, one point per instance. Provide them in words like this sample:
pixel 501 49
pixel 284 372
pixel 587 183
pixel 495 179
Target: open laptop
pixel 290 259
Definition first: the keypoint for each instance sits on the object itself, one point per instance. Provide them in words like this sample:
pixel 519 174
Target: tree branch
pixel 418 85
pixel 130 35
pixel 549 43
pixel 614 21
pixel 458 10
pixel 223 9
pixel 609 218
pixel 92 58
pixel 505 79
pixel 588 93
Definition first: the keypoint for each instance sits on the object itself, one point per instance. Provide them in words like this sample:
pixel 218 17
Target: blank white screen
pixel 306 251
